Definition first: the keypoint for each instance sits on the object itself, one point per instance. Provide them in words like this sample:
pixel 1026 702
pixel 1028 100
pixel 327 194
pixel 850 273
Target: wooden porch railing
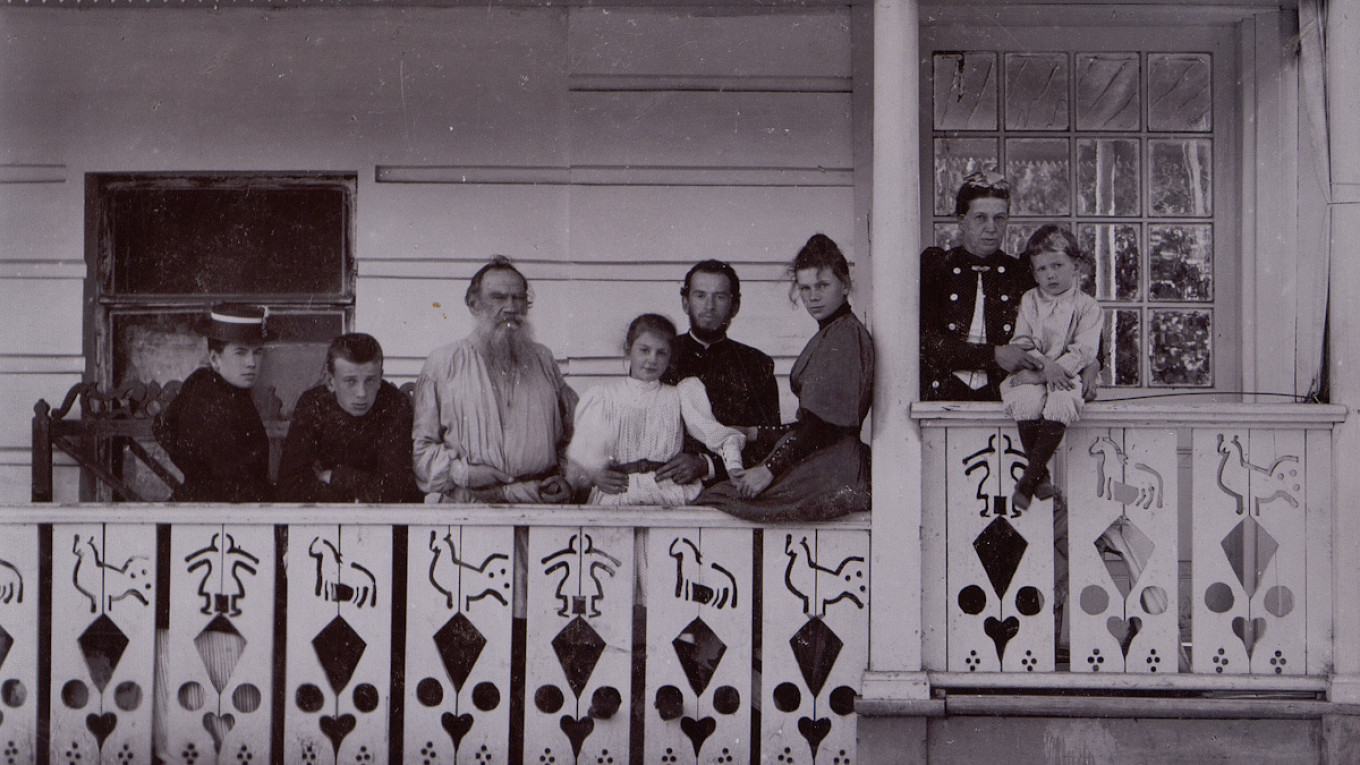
pixel 222 633
pixel 1197 550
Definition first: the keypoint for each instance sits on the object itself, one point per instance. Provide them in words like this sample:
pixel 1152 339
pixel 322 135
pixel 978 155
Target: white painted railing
pixel 1198 549
pixel 389 634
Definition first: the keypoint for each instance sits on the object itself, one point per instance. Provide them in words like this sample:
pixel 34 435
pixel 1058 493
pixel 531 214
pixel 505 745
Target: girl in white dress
pixel 628 429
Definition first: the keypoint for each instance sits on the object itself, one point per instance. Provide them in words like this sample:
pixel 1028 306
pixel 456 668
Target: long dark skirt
pixel 829 483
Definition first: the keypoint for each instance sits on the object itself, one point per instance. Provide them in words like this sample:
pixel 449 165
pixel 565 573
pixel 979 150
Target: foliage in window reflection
pixel 1180 263
pixel 1181 347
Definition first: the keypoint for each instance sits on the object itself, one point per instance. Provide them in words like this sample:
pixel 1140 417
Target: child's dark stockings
pixel 1040 438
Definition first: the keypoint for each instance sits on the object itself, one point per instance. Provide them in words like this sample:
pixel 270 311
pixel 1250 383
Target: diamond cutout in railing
pixel 460 644
pixel 1000 547
pixel 578 647
pixel 102 644
pixel 815 649
pixel 220 646
pixel 339 648
pixel 1134 549
pixel 699 650
pixel 1249 534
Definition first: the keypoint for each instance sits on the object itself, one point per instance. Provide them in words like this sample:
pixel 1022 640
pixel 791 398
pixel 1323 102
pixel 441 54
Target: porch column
pixel 1343 104
pixel 895 614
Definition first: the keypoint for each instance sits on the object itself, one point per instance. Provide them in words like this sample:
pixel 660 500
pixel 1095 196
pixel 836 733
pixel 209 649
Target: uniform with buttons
pixel 949 289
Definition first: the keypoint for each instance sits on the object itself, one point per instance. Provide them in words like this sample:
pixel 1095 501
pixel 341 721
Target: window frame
pixel 104 303
pixel 1232 263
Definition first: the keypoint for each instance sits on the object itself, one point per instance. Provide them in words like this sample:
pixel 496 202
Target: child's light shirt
pixel 630 420
pixel 1065 327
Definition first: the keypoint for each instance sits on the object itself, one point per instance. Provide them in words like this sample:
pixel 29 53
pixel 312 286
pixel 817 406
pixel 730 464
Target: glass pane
pixel 1180 95
pixel 1040 172
pixel 1122 346
pixel 1180 175
pixel 1180 262
pixel 955 158
pixel 1017 236
pixel 1182 347
pixel 162 347
pixel 1036 91
pixel 225 241
pixel 1107 91
pixel 965 91
pixel 1107 176
pixel 1114 250
pixel 947 235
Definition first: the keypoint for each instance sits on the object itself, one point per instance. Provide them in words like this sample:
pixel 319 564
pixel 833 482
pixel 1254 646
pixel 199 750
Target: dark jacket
pixel 739 380
pixel 369 457
pixel 215 436
pixel 948 291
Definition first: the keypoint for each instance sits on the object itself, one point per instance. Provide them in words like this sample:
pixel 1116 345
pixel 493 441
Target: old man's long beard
pixel 508 349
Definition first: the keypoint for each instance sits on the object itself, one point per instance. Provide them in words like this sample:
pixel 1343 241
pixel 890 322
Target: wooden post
pixel 895 621
pixel 1343 102
pixel 42 452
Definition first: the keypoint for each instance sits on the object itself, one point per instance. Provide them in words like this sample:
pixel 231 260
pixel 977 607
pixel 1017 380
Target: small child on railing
pixel 626 431
pixel 1059 326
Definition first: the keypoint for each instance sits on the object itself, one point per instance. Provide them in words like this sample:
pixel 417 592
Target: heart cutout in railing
pixel 1124 630
pixel 1249 632
pixel 457 726
pixel 814 730
pixel 698 731
pixel 336 728
pixel 101 726
pixel 218 727
pixel 1001 632
pixel 577 731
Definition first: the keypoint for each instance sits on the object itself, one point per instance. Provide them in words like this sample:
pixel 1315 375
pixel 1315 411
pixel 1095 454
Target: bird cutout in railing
pixel 810 581
pixel 1281 480
pixel 93 574
pixel 330 564
pixel 214 558
pixel 450 574
pixel 1112 471
pixel 689 575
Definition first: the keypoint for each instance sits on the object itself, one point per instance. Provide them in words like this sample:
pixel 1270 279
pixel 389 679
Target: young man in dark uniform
pixel 212 430
pixel 738 378
pixel 350 437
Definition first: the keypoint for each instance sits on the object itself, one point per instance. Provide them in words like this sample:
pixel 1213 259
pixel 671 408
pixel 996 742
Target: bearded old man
pixel 492 412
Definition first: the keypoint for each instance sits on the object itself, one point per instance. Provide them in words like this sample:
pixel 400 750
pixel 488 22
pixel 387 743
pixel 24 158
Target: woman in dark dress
pixel 212 430
pixel 815 468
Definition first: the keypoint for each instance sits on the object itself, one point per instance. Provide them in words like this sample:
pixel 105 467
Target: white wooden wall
pixel 605 150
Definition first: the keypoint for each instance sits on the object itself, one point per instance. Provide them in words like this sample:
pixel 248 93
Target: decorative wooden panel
pixel 218 657
pixel 339 644
pixel 19 636
pixel 814 641
pixel 458 616
pixel 699 640
pixel 103 643
pixel 1000 560
pixel 1122 550
pixel 578 674
pixel 1248 572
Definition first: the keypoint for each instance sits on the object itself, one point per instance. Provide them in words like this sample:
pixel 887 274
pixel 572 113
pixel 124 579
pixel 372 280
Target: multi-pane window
pixel 1118 146
pixel 165 246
